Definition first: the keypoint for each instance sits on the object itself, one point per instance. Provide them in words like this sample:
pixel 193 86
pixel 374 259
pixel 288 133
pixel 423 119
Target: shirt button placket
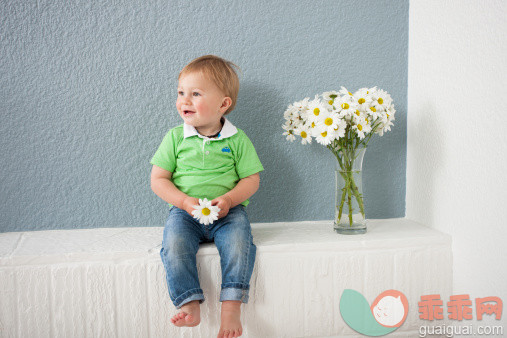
pixel 203 143
pixel 207 142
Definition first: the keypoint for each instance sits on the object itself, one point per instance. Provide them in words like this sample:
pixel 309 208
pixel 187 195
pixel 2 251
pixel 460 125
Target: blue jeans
pixel 232 235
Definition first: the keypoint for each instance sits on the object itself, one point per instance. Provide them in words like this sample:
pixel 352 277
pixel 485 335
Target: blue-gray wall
pixel 88 90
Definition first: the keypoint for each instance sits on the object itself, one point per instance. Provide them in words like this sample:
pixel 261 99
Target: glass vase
pixel 349 211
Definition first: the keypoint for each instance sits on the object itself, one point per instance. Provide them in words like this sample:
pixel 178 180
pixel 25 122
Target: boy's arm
pixel 245 188
pixel 165 189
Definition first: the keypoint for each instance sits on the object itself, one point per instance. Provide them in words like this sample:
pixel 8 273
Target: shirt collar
pixel 228 129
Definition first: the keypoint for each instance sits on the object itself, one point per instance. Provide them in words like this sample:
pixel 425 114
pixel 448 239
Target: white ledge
pixel 85 245
pixel 111 281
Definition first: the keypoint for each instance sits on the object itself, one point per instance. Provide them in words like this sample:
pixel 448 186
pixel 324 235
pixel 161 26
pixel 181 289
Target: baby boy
pixel 207 157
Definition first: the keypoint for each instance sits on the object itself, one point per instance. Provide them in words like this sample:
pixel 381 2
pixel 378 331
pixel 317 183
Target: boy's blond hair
pixel 218 70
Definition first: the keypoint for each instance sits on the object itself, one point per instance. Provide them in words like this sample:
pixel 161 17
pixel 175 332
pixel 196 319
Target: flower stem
pixel 345 188
pixel 359 197
pixel 345 153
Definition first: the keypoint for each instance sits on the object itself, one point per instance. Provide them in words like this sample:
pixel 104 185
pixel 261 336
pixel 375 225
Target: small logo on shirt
pixel 226 150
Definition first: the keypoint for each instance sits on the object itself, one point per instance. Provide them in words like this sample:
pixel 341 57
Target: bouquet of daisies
pixel 343 122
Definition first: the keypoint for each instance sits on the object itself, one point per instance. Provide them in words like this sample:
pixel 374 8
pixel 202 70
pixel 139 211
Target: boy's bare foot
pixel 230 325
pixel 189 315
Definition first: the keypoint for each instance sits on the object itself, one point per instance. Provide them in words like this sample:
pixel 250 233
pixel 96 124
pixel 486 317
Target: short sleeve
pixel 247 161
pixel 165 156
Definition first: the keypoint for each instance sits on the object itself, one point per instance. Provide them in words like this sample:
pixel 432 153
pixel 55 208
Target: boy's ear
pixel 226 103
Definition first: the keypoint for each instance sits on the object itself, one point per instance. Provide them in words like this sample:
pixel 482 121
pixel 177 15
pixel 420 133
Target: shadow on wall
pixel 260 114
pixel 427 161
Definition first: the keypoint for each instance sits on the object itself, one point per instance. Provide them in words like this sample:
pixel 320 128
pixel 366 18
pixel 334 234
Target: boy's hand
pixel 224 203
pixel 188 204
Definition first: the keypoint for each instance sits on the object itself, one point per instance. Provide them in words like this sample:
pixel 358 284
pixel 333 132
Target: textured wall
pixel 88 90
pixel 456 135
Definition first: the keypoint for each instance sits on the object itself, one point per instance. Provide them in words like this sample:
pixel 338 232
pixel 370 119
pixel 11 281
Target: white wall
pixel 457 143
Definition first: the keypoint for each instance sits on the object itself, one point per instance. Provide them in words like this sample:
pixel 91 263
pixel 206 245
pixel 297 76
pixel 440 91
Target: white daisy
pixel 344 91
pixel 340 129
pixel 358 114
pixel 374 112
pixel 330 96
pixel 386 124
pixel 205 213
pixel 329 120
pixel 390 113
pixel 315 108
pixel 305 134
pixel 381 99
pixel 325 137
pixel 291 113
pixel 303 104
pixel 361 127
pixel 289 132
pixel 329 105
pixel 363 99
pixel 314 129
pixel 345 107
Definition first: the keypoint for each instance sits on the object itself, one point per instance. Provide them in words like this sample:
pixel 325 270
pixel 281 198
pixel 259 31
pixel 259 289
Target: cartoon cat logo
pixel 388 308
pixel 387 312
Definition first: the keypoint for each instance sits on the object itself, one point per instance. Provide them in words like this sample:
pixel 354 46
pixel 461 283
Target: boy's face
pixel 200 102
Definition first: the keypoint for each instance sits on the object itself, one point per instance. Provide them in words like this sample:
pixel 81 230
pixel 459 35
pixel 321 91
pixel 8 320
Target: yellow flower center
pixel 345 105
pixel 328 121
pixel 303 134
pixel 367 121
pixel 316 111
pixel 330 102
pixel 324 134
pixel 387 115
pixel 350 93
pixel 206 211
pixel 357 112
pixel 360 127
pixel 380 100
pixel 361 101
pixel 373 108
pixel 336 128
pixel 313 124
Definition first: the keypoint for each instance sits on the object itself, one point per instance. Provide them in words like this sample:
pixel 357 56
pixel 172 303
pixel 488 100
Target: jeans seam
pixel 189 294
pixel 247 256
pixel 206 233
pixel 240 287
pixel 245 264
pixel 243 291
pixel 164 263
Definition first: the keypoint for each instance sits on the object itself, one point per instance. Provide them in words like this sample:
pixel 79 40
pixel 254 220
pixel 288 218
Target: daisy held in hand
pixel 205 213
pixel 344 123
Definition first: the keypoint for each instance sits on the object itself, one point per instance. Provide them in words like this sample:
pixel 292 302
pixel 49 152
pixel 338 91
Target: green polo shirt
pixel 205 167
